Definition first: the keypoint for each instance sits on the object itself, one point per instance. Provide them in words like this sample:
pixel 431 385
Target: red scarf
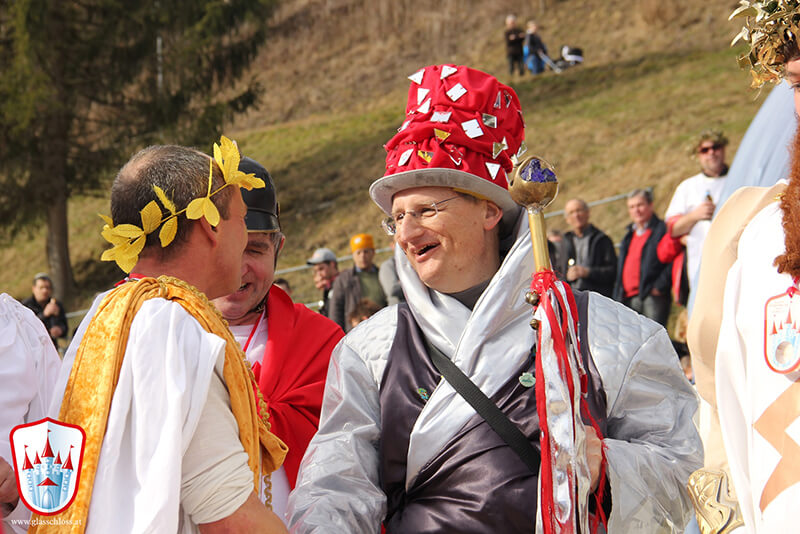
pixel 292 372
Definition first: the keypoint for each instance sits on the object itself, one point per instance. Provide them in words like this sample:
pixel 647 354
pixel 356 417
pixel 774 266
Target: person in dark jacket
pixel 49 310
pixel 514 37
pixel 534 49
pixel 586 257
pixel 643 282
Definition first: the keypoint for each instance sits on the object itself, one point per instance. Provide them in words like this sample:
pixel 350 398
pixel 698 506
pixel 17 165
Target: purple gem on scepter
pixel 534 172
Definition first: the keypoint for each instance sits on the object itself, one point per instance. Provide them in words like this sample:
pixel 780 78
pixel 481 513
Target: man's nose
pixel 408 228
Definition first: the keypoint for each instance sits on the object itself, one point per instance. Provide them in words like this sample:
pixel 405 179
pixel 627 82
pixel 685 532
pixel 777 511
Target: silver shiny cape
pixel 652 444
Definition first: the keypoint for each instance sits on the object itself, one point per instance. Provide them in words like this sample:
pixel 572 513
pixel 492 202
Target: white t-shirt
pixel 689 194
pixel 254 354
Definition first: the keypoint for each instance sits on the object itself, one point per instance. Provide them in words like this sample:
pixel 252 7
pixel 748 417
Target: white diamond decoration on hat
pixel 472 128
pixel 489 120
pixel 496 149
pixel 405 156
pixel 404 125
pixel 493 168
pixel 441 116
pixel 497 101
pixel 417 76
pixel 456 92
pixel 522 149
pixel 508 98
pixel 425 107
pixel 421 94
pixel 447 70
pixel 505 144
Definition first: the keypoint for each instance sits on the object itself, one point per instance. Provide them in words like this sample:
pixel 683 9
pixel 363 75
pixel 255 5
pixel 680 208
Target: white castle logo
pixel 47 479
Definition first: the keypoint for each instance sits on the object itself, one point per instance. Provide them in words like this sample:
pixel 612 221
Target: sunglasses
pixel 707 149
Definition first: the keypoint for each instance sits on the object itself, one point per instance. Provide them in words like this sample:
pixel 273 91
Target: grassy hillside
pixel 335 72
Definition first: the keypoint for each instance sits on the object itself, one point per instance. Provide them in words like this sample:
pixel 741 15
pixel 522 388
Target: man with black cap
pixel 287 344
pixel 398 444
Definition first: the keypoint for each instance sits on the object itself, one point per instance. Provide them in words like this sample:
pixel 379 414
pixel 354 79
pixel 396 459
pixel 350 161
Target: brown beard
pixel 789 262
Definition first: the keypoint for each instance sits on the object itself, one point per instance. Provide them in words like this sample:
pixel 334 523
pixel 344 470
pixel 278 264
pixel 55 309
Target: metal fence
pixel 349 257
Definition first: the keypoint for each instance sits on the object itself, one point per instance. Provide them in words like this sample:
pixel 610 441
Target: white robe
pixel 171 457
pixel 28 368
pixel 746 387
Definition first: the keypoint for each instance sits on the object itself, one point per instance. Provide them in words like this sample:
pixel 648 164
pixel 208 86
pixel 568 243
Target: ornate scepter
pixel 565 478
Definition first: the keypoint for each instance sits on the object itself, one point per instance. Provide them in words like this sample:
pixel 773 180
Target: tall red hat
pixel 463 129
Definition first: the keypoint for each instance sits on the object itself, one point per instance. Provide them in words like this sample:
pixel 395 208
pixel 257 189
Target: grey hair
pixel 646 194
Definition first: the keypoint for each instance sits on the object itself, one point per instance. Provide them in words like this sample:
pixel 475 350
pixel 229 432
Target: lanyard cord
pixel 252 333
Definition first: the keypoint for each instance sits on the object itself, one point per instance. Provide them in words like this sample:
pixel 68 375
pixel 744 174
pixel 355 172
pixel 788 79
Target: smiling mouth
pixel 427 248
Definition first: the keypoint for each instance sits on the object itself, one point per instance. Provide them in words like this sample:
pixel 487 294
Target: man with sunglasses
pixel 694 201
pixel 398 445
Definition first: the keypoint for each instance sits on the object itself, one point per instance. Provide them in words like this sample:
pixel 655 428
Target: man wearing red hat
pixel 397 444
pixel 360 282
pixel 287 344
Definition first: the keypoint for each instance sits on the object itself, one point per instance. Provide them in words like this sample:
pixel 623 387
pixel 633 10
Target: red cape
pixel 292 373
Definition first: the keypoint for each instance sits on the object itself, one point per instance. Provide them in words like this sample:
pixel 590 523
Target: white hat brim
pixel 383 189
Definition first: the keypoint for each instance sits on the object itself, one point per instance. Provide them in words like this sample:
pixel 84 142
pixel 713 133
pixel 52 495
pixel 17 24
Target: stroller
pixel 570 57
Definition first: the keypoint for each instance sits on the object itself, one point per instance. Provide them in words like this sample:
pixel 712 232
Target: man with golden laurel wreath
pixel 750 374
pixel 397 445
pixel 175 439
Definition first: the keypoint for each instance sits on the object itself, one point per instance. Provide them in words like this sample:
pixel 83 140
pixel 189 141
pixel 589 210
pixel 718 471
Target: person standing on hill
pixel 585 254
pixel 692 206
pixel 357 283
pixel 643 282
pixel 514 37
pixel 534 49
pixel 287 344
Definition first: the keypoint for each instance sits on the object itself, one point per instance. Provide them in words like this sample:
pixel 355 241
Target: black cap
pixel 262 204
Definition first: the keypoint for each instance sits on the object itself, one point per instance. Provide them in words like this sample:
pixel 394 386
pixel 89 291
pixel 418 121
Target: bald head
pixel 182 173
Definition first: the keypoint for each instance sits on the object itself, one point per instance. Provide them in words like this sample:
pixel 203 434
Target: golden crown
pixel 770 25
pixel 129 239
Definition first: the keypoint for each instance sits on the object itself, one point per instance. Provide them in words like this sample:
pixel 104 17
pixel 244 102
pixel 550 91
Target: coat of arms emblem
pixel 47 463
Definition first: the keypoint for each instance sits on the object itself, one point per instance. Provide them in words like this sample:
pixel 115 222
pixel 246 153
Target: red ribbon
pixel 547 285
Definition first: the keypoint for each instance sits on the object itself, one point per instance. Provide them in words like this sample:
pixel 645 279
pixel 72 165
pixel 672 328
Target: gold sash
pixel 95 373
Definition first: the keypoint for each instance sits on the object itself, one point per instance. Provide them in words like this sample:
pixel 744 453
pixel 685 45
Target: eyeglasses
pixel 390 224
pixel 707 149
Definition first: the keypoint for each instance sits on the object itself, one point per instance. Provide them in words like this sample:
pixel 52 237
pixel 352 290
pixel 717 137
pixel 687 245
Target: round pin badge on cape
pixel 527 379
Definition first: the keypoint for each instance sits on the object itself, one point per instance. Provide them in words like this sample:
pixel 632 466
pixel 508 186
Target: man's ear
pixel 492 215
pixel 204 228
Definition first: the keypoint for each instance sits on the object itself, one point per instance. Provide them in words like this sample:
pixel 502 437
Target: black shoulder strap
pixel 487 409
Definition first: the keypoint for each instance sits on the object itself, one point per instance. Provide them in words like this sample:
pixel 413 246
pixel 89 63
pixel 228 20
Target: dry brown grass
pixel 335 70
